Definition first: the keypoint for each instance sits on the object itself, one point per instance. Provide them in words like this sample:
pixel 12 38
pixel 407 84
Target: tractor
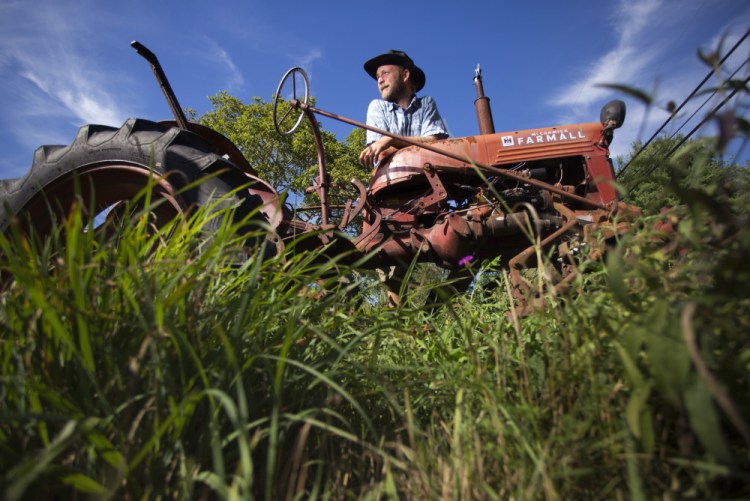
pixel 529 198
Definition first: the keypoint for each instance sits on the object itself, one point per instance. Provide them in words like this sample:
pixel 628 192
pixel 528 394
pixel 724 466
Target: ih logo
pixel 508 141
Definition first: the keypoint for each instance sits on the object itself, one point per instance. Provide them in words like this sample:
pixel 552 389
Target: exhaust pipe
pixel 482 105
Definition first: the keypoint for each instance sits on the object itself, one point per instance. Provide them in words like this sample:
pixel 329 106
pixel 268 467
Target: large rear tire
pixel 104 166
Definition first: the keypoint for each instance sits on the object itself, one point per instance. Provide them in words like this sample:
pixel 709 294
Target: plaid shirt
pixel 420 119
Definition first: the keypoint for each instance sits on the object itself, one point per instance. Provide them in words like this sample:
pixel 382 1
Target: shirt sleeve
pixel 432 122
pixel 375 118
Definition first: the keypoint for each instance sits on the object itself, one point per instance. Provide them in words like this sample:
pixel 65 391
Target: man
pixel 400 111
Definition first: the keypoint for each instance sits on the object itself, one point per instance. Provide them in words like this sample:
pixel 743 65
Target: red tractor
pixel 507 195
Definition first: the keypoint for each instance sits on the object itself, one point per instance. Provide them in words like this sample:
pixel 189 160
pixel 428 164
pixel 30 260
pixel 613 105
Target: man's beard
pixel 394 92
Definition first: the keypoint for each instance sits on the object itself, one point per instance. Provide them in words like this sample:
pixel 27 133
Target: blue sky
pixel 65 64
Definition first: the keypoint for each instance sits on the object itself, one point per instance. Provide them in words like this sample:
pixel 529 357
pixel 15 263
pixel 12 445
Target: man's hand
pixel 377 151
pixel 386 146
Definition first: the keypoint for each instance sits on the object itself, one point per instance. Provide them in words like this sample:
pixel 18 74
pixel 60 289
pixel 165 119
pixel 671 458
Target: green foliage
pixel 649 174
pixel 685 345
pixel 662 175
pixel 286 162
pixel 142 362
pixel 142 365
pixel 654 181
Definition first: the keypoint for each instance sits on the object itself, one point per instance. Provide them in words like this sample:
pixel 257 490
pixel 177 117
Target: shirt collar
pixel 413 104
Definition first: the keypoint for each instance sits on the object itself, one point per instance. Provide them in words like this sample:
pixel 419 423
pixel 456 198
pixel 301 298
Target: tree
pixel 652 180
pixel 286 162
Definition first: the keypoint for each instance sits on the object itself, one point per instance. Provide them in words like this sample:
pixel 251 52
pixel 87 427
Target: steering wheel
pixel 293 113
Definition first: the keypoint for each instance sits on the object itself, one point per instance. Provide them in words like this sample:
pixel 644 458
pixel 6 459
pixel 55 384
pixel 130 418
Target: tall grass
pixel 137 364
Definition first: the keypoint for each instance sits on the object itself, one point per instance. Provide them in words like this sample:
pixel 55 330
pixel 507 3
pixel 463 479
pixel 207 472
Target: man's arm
pixel 378 146
pixel 386 146
pixel 375 151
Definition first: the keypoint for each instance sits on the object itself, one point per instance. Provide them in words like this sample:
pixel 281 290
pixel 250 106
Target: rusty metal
pixel 349 215
pixel 454 237
pixel 322 182
pixel 372 218
pixel 460 158
pixel 519 261
pixel 439 193
pixel 482 106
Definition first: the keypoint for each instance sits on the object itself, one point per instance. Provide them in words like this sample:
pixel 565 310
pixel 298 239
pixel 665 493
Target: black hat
pixel 399 58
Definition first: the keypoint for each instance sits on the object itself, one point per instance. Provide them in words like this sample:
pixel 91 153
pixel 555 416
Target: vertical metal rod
pixel 482 105
pixel 322 185
pixel 161 79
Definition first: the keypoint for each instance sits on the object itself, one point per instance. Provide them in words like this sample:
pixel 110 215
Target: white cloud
pixel 307 60
pixel 217 53
pixel 64 81
pixel 636 16
pixel 626 60
pixel 47 44
pixel 653 52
